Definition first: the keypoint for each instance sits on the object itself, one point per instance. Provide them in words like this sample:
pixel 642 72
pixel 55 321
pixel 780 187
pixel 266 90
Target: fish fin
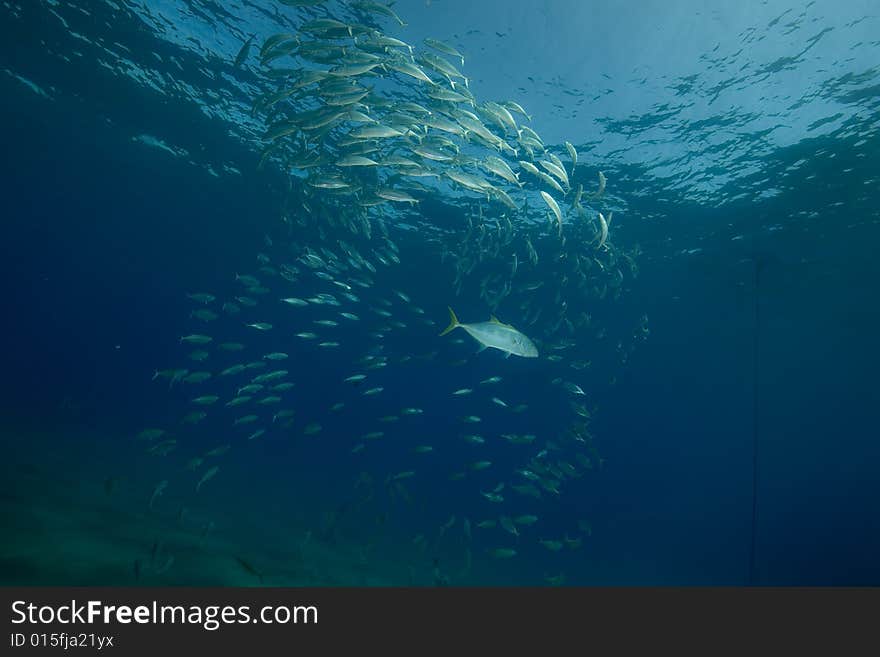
pixel 453 322
pixel 507 354
pixel 495 320
pixel 481 348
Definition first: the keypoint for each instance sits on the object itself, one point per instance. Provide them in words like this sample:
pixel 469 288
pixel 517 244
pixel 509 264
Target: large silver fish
pixel 496 335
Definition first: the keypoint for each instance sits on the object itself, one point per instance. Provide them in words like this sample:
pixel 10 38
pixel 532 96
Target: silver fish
pixel 496 335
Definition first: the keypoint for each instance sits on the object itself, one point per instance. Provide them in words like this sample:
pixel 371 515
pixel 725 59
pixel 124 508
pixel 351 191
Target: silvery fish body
pixel 494 334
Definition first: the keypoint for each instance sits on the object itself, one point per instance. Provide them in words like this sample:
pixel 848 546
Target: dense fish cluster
pixel 375 136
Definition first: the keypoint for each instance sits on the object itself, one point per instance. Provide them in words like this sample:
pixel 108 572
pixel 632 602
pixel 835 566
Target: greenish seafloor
pixel 61 526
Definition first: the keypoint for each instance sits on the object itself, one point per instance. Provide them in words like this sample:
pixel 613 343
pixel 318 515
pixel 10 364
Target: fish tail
pixel 453 322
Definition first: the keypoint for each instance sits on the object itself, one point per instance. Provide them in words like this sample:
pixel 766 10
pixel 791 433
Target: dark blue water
pixel 104 237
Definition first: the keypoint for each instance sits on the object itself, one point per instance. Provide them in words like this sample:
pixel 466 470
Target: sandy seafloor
pixel 63 528
pixel 67 527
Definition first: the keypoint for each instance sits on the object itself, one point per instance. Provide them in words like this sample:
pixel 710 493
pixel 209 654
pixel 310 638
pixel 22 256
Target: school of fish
pixel 376 138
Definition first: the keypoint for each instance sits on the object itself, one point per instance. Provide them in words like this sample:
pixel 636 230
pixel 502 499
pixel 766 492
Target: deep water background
pixel 102 238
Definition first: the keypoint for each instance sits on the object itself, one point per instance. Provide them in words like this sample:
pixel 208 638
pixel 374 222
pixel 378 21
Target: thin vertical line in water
pixel 755 397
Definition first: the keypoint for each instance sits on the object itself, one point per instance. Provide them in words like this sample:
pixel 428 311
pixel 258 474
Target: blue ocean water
pixel 723 339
